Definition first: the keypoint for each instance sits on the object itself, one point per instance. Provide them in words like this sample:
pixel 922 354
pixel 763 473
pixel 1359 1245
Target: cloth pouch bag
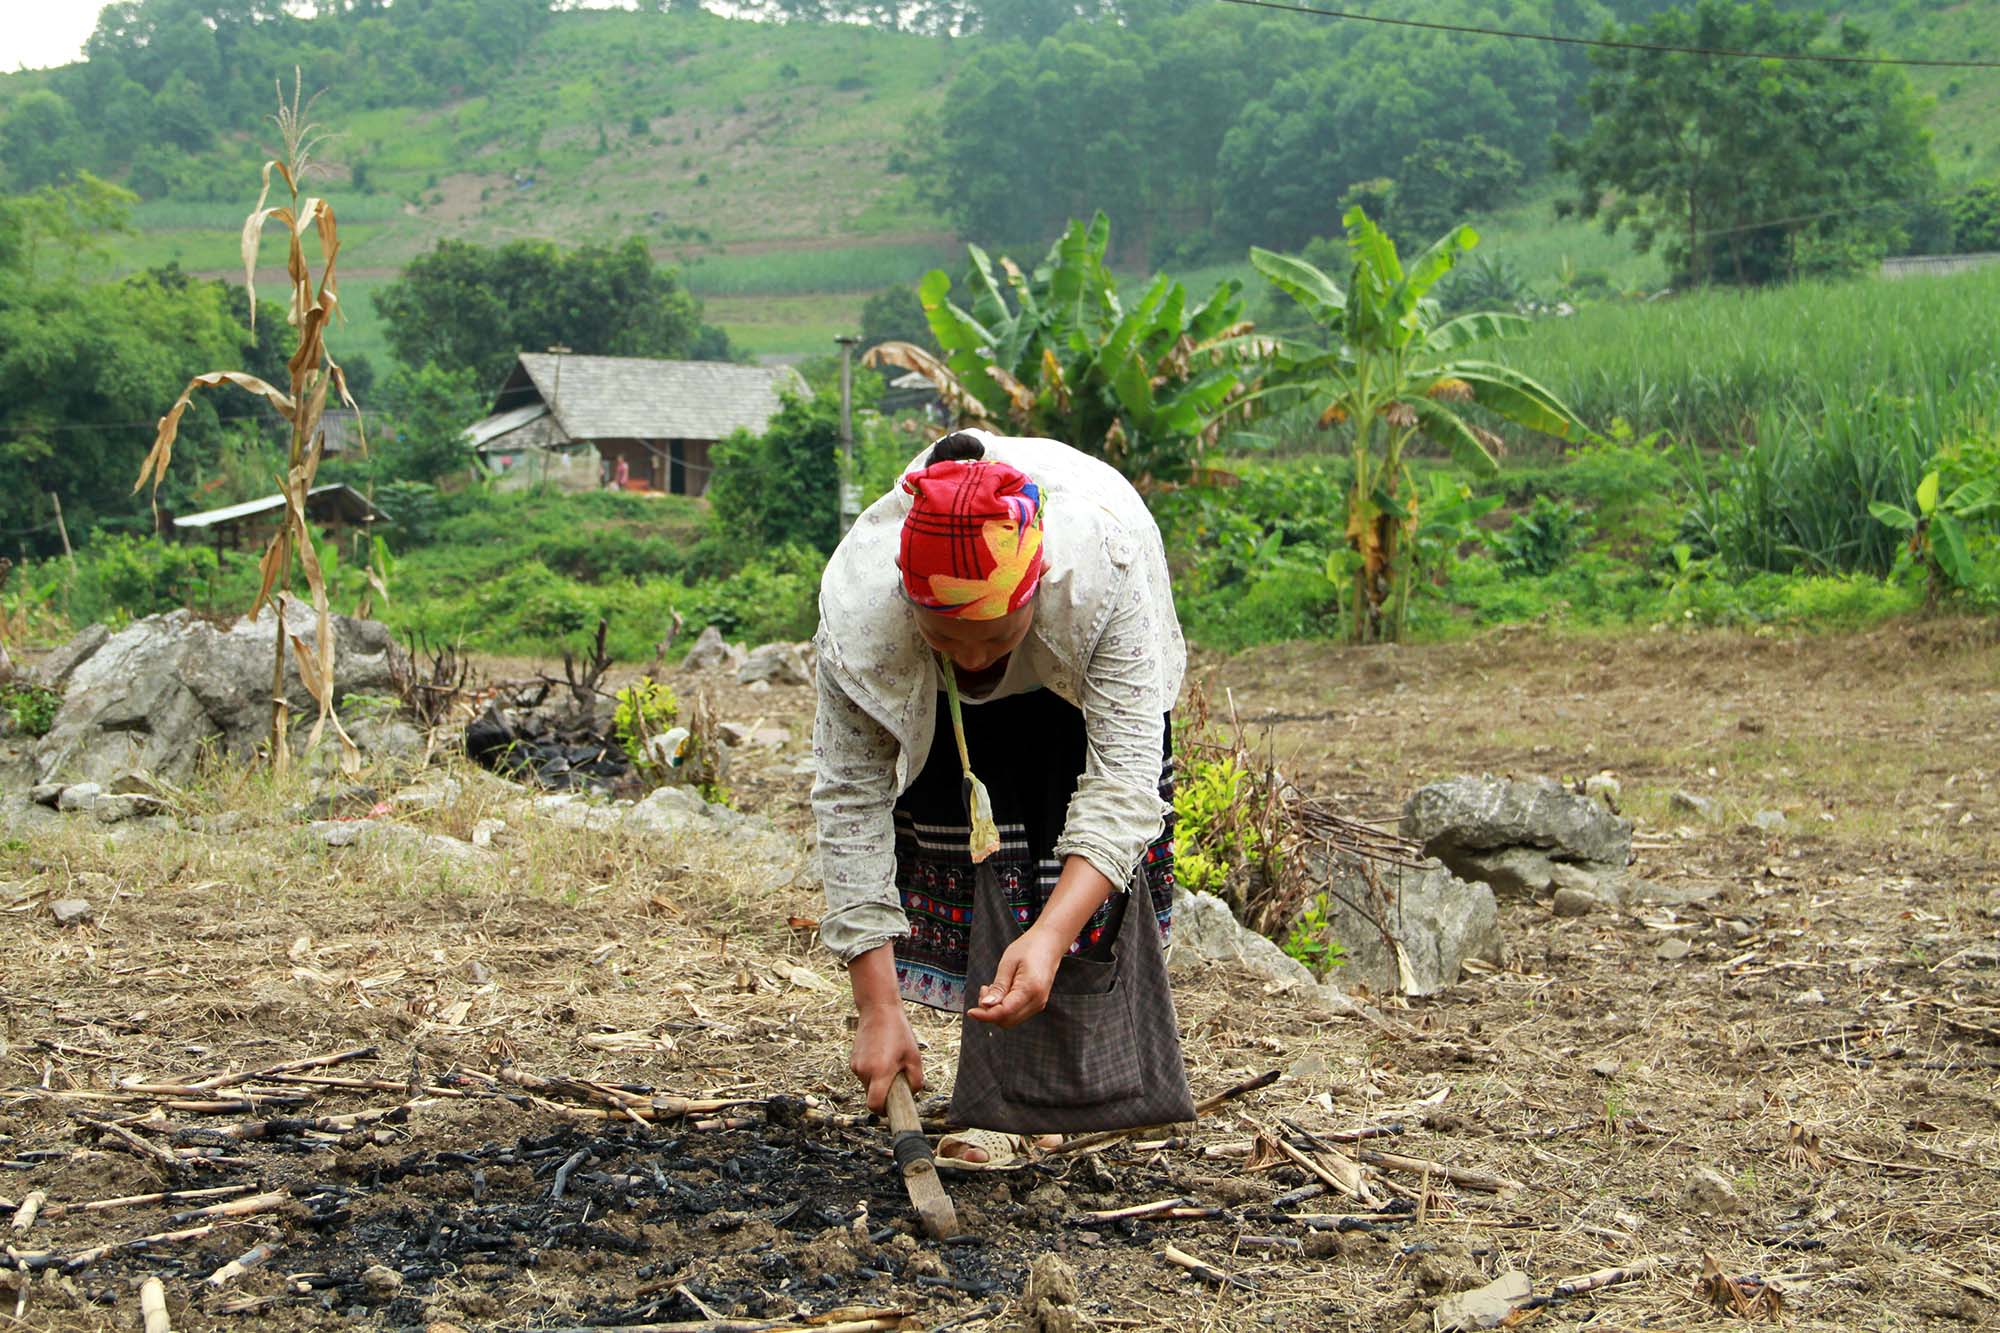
pixel 1104 1054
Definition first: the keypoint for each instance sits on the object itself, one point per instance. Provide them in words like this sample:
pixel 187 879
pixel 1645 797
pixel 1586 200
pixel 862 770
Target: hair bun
pixel 959 446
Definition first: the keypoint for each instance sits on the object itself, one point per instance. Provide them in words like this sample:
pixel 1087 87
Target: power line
pixel 1807 56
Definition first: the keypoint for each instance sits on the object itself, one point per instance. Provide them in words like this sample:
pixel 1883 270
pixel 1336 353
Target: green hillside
pixel 753 155
pixel 773 162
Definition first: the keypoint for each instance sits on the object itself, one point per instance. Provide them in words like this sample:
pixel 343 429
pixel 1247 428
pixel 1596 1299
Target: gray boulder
pixel 1205 930
pixel 1519 836
pixel 55 670
pixel 79 798
pixel 162 689
pixel 711 651
pixel 1688 803
pixel 774 664
pixel 1405 930
pixel 385 737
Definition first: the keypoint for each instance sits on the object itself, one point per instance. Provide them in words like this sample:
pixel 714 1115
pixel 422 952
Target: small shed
pixel 336 509
pixel 571 420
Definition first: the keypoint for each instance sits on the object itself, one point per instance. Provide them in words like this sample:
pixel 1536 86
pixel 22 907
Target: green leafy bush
pixel 120 577
pixel 775 596
pixel 781 487
pixel 1210 842
pixel 645 708
pixel 31 708
pixel 1540 540
pixel 1311 941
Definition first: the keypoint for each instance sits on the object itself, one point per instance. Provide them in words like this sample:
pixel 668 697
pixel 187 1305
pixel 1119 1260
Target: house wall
pixel 671 467
pixel 564 469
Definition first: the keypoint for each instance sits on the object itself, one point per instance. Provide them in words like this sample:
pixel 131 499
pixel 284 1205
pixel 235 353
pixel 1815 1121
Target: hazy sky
pixel 38 33
pixel 35 34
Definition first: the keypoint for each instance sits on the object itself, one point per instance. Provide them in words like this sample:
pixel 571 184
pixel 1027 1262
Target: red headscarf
pixel 972 543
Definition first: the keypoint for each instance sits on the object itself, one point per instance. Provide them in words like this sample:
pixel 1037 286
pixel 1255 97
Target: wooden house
pixel 571 420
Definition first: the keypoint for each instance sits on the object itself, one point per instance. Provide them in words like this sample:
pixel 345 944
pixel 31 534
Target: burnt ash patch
pixel 768 1221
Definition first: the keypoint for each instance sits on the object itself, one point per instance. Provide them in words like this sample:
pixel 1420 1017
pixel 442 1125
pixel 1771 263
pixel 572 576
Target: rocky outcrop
pixel 1205 930
pixel 158 693
pixel 775 664
pixel 1523 838
pixel 711 651
pixel 1404 930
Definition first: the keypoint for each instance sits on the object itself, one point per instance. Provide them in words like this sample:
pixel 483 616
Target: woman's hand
pixel 885 1046
pixel 1020 986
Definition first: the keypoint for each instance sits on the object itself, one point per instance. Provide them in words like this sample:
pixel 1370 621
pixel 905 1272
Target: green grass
pixel 1702 365
pixel 793 325
pixel 1538 245
pixel 860 268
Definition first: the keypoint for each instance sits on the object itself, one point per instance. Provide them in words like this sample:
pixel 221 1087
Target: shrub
pixel 1541 539
pixel 645 708
pixel 120 576
pixel 1210 843
pixel 772 597
pixel 781 487
pixel 30 708
pixel 1310 939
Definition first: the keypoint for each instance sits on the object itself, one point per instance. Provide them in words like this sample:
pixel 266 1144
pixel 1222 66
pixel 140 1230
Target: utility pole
pixel 850 491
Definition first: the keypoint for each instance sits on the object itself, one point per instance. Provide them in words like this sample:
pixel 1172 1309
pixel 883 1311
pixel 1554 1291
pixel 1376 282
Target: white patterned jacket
pixel 1104 637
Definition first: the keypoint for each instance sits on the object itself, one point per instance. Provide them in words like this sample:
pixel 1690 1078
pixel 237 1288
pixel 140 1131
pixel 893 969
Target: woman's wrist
pixel 873 977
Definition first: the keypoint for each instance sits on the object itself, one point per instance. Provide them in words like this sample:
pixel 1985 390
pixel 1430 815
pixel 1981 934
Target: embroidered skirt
pixel 1029 751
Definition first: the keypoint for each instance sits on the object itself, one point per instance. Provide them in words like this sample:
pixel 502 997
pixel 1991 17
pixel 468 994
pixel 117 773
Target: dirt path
pixel 1798 1074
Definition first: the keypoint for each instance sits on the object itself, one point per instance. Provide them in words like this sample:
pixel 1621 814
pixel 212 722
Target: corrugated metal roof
pixel 636 398
pixel 353 501
pixel 479 433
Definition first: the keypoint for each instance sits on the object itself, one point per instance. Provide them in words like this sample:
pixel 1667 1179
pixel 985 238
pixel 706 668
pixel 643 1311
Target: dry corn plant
pixel 313 373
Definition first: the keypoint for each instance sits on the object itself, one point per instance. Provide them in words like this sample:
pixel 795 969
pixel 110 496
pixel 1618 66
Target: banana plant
pixel 1937 529
pixel 1391 370
pixel 1057 353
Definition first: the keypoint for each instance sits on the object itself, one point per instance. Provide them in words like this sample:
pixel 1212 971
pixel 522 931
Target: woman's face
pixel 974 645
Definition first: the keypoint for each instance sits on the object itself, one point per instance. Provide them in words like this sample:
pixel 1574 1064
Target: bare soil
pixel 1787 1062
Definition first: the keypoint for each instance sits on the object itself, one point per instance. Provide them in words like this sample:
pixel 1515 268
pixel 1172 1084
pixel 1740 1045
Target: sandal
pixel 1004 1152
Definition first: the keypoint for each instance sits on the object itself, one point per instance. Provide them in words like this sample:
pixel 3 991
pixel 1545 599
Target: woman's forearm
pixel 873 977
pixel 1080 891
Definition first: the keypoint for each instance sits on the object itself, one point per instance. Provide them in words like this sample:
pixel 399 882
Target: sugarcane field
pixel 422 1047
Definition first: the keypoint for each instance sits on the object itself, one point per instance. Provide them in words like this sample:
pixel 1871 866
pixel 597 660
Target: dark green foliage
pixel 167 78
pixel 1202 124
pixel 466 307
pixel 1975 218
pixel 781 488
pixel 1441 182
pixel 86 364
pixel 1540 540
pixel 417 429
pixel 41 141
pixel 895 314
pixel 120 576
pixel 1745 171
pixel 30 708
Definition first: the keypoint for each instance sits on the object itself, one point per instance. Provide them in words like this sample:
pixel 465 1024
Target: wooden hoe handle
pixel 913 1157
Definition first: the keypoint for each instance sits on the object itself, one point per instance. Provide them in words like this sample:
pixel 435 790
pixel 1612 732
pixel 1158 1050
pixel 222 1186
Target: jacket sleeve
pixel 853 795
pixel 1117 810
